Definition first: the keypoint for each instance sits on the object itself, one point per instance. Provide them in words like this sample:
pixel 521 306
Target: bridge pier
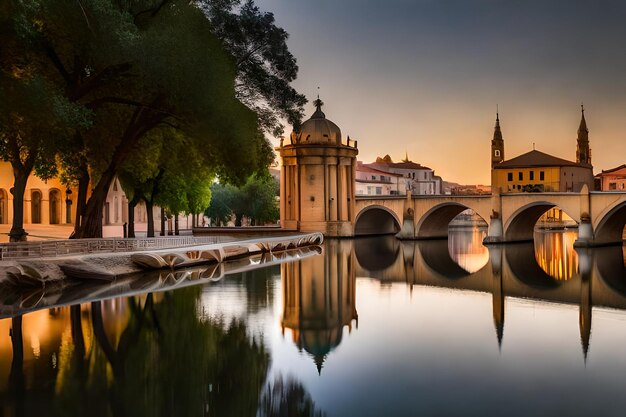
pixel 407 231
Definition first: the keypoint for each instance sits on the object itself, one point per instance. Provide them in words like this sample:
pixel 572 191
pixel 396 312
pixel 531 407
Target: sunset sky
pixel 425 76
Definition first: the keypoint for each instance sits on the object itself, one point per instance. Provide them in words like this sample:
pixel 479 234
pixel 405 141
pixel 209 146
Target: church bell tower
pixel 497 144
pixel 583 153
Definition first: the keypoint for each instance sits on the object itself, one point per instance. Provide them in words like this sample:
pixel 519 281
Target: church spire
pixel 583 152
pixel 497 143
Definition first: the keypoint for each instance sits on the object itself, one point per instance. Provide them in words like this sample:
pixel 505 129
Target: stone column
pixel 585 228
pixel 495 233
pixel 45 208
pixel 408 225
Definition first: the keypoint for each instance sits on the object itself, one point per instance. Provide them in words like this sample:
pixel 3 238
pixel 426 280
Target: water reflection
pixel 466 248
pixel 319 299
pixel 447 321
pixel 554 252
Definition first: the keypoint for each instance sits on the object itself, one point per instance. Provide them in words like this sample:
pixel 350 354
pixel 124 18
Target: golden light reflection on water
pixel 554 252
pixel 466 248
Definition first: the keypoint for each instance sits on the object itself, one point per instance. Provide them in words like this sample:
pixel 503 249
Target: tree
pixel 265 67
pixel 135 66
pixel 219 209
pixel 256 199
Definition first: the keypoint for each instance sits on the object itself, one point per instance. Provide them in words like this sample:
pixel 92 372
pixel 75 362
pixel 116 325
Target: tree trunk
pixel 131 216
pixel 238 219
pixel 150 217
pixel 162 222
pixel 141 122
pixel 81 198
pixel 193 220
pixel 17 233
pixel 176 230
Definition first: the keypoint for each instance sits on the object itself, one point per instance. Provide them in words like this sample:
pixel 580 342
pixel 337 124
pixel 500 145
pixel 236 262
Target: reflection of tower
pixel 495 255
pixel 584 312
pixel 319 299
pixel 317 178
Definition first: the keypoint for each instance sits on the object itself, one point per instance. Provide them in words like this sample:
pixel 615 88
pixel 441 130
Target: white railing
pixel 55 248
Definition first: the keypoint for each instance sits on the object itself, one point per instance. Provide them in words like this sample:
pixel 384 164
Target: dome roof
pixel 318 129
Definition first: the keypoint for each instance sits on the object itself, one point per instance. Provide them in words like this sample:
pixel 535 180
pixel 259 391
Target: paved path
pixel 39 231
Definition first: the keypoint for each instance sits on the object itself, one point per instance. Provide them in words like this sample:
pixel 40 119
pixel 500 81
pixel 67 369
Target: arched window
pixel 116 210
pixel 54 197
pixel 497 153
pixel 35 206
pixel 3 206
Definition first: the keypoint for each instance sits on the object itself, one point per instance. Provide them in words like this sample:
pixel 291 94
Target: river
pixel 372 327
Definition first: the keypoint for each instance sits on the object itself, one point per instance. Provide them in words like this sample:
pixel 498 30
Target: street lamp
pixel 68 206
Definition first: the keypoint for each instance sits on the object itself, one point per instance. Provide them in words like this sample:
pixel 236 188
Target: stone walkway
pixel 39 231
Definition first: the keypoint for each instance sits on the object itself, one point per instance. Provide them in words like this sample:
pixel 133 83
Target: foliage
pixel 265 67
pixel 256 199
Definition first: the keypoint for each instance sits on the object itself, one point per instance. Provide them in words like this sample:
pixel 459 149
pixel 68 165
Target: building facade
pixel 612 179
pixel 537 171
pixel 51 203
pixel 372 182
pixel 418 179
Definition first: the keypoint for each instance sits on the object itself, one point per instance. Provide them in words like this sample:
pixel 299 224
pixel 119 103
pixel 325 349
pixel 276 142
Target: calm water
pixel 373 327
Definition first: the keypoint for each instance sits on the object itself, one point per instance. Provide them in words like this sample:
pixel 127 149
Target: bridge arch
pixel 524 267
pixel 434 223
pixel 376 220
pixel 610 225
pixel 520 226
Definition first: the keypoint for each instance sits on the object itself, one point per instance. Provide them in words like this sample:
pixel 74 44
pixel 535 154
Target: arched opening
pixel 541 215
pixel 376 220
pixel 551 234
pixel 4 203
pixel 376 254
pixel 524 267
pixel 35 206
pixel 437 222
pixel 54 197
pixel 610 229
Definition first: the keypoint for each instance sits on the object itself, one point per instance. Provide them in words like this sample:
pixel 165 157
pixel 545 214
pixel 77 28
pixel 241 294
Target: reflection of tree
pixel 168 361
pixel 286 397
pixel 16 377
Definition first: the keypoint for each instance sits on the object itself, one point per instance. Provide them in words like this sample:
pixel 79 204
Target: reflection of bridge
pixel 601 215
pixel 319 303
pixel 512 271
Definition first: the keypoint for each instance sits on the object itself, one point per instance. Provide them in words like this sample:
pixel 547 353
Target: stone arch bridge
pixel 601 216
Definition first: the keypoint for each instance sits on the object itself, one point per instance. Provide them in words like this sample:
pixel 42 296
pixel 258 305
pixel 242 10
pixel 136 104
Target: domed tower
pixel 317 178
pixel 583 153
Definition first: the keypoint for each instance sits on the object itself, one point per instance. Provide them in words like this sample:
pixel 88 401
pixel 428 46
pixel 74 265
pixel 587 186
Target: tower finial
pixel 582 108
pixel 318 103
pixel 497 113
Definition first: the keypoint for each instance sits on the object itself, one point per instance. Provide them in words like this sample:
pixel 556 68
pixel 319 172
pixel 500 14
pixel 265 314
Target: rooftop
pixel 536 158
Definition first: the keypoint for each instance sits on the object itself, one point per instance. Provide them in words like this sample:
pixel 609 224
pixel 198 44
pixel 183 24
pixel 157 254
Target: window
pixel 373 177
pixel 496 153
pixel 509 176
pixel 541 176
pixel 379 190
pixel 532 175
pixel 612 186
pixel 520 176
